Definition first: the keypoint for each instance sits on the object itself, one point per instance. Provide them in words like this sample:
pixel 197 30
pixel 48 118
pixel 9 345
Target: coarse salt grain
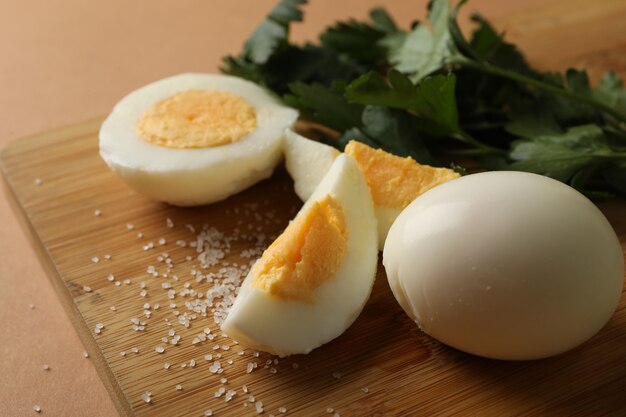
pixel 37 408
pixel 85 354
pixel 46 367
pixel 95 259
pixel 365 390
pixel 86 288
pixel 97 213
pixel 166 365
pixel 282 410
pixel 179 387
pixel 147 397
pixel 159 349
pixel 38 181
pixel 259 407
pixel 229 395
pixel 208 413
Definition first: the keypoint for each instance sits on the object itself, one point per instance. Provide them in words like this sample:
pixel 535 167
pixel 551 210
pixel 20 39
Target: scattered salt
pixel 147 397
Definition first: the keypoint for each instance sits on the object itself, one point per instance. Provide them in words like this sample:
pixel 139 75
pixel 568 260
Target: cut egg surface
pixel 194 139
pixel 313 281
pixel 394 181
pixel 505 265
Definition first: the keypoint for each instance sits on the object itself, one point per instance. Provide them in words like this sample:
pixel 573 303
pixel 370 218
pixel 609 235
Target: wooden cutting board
pixel 383 365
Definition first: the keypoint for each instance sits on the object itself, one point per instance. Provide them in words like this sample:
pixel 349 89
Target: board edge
pixel 120 401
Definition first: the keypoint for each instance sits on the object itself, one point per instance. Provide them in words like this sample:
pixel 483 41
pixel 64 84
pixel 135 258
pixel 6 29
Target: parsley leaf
pixel 561 156
pixel 432 99
pixel 325 105
pixel 424 51
pixel 355 40
pixel 273 31
pixel 611 91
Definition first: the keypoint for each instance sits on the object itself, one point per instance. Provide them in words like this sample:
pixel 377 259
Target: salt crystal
pixel 229 395
pixel 282 410
pixel 36 407
pixel 159 349
pixel 146 397
pixel 97 213
pixel 85 354
pixel 208 413
pixel 95 259
pixel 179 387
pixel 166 365
pixel 37 182
pixel 46 367
pixel 86 288
pixel 259 407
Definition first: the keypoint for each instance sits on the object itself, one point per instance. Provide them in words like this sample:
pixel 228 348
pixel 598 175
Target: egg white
pixel 307 161
pixel 505 265
pixel 188 177
pixel 285 327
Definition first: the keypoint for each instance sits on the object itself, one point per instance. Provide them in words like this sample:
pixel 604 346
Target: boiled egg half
pixel 311 283
pixel 195 139
pixel 394 181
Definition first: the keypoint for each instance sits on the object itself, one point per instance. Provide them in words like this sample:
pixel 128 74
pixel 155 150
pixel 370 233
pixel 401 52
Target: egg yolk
pixel 197 119
pixel 394 181
pixel 307 254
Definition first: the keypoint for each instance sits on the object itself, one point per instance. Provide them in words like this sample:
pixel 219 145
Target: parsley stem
pixel 491 69
pixel 470 140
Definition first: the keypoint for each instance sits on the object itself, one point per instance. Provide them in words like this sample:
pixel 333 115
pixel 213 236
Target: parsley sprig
pixel 438 96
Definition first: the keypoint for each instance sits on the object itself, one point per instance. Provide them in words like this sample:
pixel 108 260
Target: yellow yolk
pixel 307 254
pixel 394 181
pixel 197 119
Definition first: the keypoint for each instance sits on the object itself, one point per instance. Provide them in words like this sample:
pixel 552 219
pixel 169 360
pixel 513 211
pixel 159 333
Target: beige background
pixel 63 61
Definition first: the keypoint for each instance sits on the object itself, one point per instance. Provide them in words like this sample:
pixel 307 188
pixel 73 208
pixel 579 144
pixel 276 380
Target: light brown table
pixel 63 61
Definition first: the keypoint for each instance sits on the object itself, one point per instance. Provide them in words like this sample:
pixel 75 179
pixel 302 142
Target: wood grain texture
pixel 404 371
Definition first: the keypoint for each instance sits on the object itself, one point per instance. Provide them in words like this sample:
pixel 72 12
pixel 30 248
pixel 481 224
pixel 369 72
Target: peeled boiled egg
pixel 505 265
pixel 313 281
pixel 195 138
pixel 393 181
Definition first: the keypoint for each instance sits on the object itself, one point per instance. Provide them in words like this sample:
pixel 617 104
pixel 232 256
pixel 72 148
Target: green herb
pixel 434 95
